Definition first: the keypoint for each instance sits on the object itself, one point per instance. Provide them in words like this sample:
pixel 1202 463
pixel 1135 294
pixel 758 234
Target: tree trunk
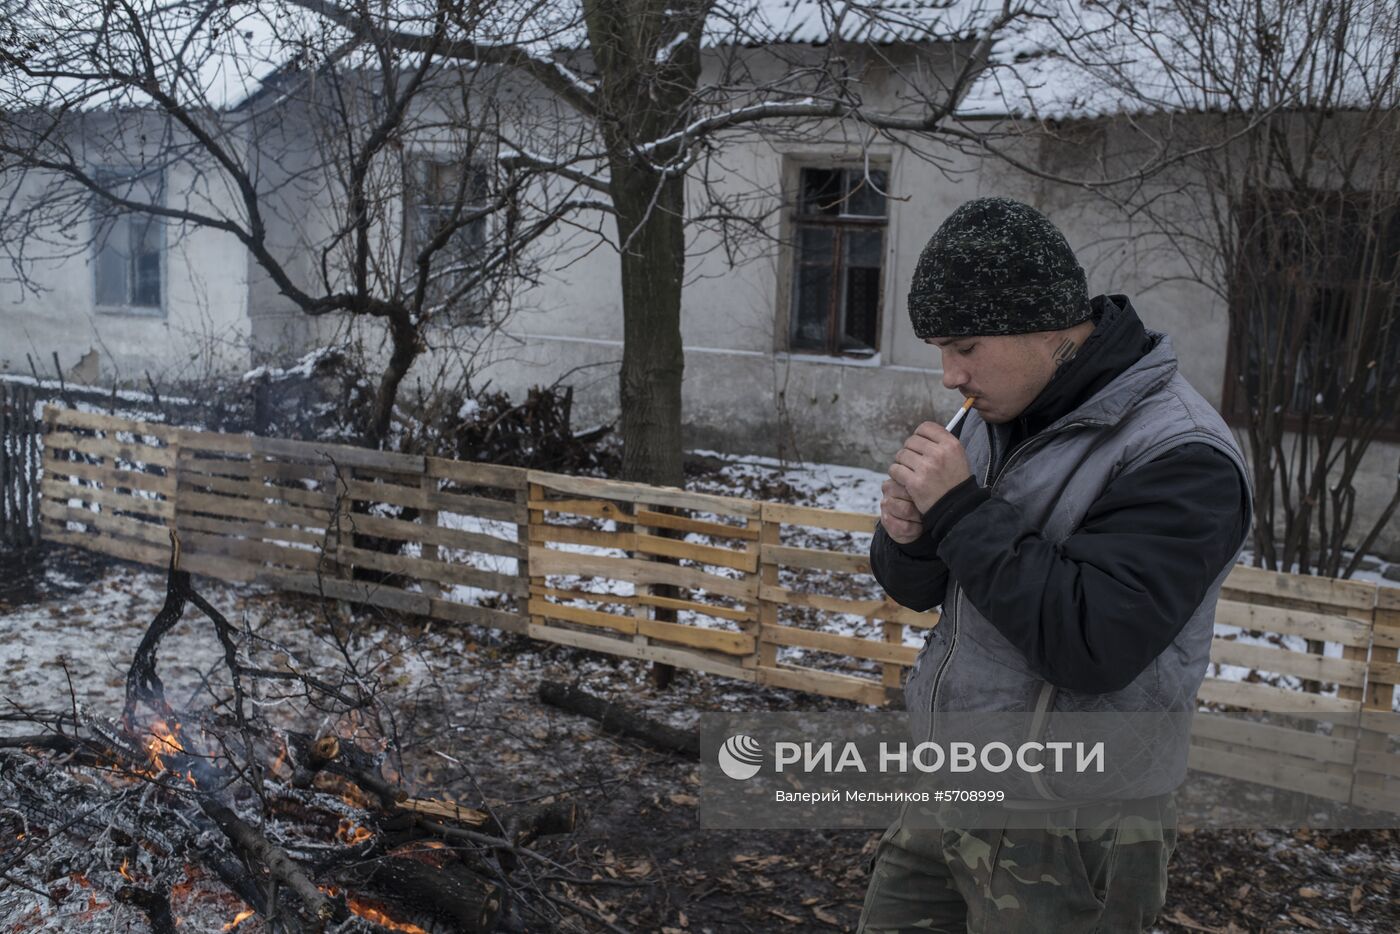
pixel 407 344
pixel 651 228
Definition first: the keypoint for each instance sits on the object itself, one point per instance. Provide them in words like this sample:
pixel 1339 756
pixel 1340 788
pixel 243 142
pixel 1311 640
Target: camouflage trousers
pixel 1098 869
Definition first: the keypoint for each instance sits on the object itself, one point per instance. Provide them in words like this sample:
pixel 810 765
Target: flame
pixel 239 918
pixel 372 912
pixel 351 833
pixel 125 873
pixel 281 758
pixel 162 739
pixel 189 777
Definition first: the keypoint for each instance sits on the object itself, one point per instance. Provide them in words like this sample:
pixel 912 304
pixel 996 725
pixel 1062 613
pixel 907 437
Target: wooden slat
pixel 853 646
pixel 1266 698
pixel 591 488
pixel 666 520
pixel 592 508
pixel 95 421
pixel 570 593
pixel 251 551
pixel 1271 737
pixel 593 538
pixel 441 571
pixel 255 490
pixel 795 678
pixel 819 518
pixel 1321 626
pixel 475 473
pixel 254 531
pixel 1256 767
pixel 1388 636
pixel 366 592
pixel 546 562
pixel 108 499
pixel 1382 721
pixel 715 640
pixel 583 617
pixel 254 469
pixel 816 559
pixel 123 548
pixel 1381 763
pixel 1385 672
pixel 703 554
pixel 722 612
pixel 487 616
pixel 237 507
pixel 1288 662
pixel 314 452
pixel 108 476
pixel 427 499
pixel 148 532
pixel 106 447
pixel 870 609
pixel 1377 799
pixel 694 660
pixel 404 531
pixel 1322 590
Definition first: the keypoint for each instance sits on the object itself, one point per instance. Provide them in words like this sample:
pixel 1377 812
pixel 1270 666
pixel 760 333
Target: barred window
pixel 839 242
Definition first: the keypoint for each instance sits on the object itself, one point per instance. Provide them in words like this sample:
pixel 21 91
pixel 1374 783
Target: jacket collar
pixel 1120 363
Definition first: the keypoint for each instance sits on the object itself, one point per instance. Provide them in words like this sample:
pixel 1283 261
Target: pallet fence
pixel 718 584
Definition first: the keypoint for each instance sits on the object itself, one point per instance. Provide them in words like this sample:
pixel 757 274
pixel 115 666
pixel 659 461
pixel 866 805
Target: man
pixel 1076 534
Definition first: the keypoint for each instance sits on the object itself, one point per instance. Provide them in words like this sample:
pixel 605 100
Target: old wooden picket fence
pixel 294 515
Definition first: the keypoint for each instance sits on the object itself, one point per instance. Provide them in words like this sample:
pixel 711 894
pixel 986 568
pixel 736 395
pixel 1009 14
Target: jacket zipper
pixel 990 484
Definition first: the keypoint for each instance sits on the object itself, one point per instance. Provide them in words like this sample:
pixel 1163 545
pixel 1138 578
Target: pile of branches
pixel 304 831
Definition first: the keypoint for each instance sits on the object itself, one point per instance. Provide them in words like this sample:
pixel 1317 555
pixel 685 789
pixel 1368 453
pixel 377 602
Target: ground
pixel 473 728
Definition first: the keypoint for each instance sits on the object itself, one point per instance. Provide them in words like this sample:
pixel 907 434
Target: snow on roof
pixel 208 55
pixel 1085 61
pixel 1071 59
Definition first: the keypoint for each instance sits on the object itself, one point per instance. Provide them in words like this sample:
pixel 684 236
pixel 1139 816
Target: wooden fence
pixel 757 591
pixel 19 468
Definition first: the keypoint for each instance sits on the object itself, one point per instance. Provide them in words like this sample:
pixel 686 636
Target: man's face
pixel 1005 371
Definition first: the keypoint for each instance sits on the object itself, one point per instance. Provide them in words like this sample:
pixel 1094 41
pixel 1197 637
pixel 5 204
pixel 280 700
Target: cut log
pixel 616 718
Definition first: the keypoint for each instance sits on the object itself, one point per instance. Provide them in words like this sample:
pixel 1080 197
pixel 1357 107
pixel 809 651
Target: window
pixel 839 232
pixel 447 199
pixel 129 246
pixel 1314 306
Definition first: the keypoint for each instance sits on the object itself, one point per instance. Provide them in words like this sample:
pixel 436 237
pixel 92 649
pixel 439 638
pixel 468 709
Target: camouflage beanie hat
pixel 996 266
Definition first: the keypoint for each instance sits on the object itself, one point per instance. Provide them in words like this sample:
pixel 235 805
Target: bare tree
pixel 1283 199
pixel 660 88
pixel 368 183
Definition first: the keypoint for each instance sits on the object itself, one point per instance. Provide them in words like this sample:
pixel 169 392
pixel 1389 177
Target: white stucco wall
pixel 202 327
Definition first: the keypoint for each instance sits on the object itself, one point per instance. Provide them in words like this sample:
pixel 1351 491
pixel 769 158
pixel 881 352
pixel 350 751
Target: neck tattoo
pixel 1065 352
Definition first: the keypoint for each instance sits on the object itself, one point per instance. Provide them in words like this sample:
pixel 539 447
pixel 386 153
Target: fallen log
pixel 616 718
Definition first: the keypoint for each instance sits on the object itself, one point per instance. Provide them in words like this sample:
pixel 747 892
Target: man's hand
pixel 899 517
pixel 930 464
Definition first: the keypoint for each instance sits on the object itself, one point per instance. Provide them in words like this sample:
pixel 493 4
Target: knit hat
pixel 996 266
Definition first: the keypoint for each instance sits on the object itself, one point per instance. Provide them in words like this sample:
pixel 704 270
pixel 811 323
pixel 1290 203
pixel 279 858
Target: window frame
pixel 420 167
pixel 841 224
pixel 104 174
pixel 1234 399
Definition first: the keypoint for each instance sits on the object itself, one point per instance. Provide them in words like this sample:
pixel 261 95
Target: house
pixel 796 340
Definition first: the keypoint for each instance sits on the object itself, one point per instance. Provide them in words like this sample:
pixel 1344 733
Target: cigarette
pixel 961 412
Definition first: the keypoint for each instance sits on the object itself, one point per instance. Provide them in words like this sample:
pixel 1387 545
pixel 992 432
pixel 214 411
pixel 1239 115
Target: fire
pixel 372 912
pixel 239 918
pixel 351 833
pixel 162 740
pixel 125 870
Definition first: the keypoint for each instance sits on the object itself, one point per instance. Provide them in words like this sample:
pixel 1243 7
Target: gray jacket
pixel 966 665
